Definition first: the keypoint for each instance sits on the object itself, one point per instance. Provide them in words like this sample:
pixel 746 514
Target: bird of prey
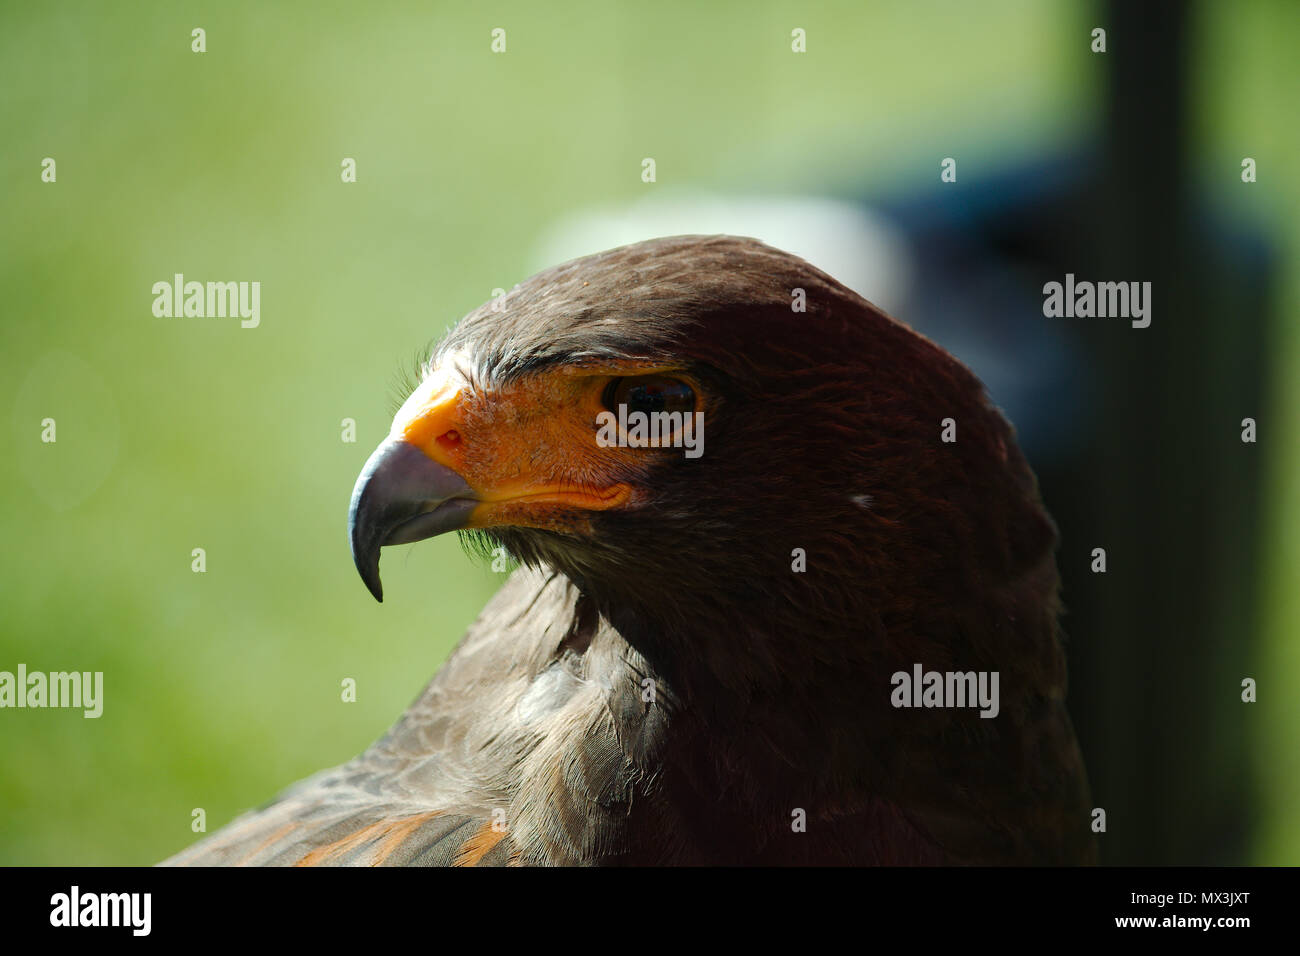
pixel 698 659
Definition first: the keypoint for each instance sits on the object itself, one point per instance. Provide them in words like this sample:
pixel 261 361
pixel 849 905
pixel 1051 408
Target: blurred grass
pixel 223 687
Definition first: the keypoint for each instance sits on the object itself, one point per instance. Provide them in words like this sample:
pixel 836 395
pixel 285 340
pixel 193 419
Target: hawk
pixel 696 662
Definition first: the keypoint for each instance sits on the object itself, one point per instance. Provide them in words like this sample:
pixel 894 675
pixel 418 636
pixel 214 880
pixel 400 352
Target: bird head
pixel 817 424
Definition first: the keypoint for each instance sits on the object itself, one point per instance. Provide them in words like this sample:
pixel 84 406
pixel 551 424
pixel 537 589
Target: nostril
pixel 449 440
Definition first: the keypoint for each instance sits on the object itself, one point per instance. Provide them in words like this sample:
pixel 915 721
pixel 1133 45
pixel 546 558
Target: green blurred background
pixel 174 434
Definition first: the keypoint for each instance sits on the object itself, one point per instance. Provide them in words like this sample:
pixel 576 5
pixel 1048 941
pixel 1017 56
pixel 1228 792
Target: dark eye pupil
pixel 653 395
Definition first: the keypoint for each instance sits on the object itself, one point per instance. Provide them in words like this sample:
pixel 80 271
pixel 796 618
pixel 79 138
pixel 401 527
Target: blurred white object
pixel 843 239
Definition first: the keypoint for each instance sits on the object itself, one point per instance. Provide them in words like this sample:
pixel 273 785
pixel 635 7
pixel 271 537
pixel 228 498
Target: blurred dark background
pixel 476 168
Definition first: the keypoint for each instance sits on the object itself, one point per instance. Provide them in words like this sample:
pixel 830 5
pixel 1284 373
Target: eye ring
pixel 651 411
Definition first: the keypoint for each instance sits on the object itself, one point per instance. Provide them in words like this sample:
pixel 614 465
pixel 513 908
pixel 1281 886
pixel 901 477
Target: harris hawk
pixel 696 661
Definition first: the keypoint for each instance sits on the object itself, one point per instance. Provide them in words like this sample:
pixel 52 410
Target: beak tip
pixel 368 568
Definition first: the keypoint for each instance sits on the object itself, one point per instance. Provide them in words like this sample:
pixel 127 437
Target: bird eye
pixel 650 394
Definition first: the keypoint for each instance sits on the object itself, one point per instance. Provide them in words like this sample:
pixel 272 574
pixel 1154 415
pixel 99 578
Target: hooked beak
pixel 402 495
pixel 421 481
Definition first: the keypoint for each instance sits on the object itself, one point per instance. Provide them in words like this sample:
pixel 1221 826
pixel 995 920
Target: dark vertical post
pixel 1161 641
